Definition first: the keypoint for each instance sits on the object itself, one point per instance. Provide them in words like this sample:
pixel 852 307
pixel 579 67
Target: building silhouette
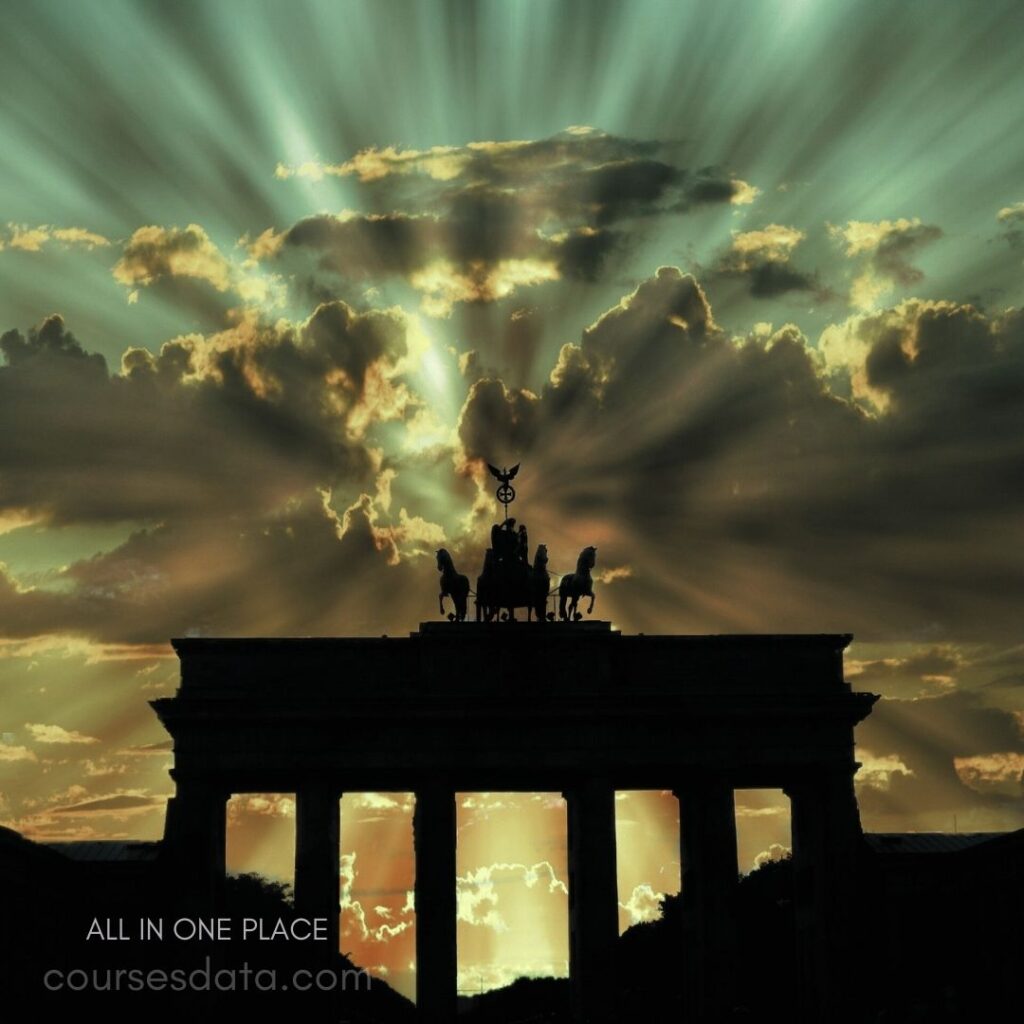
pixel 573 707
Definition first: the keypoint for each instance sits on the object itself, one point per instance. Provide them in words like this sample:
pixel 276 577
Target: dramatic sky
pixel 739 283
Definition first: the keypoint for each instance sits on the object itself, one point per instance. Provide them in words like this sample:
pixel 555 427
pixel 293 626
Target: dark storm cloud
pixel 760 259
pixel 925 672
pixel 894 251
pixel 783 504
pixel 242 420
pixel 622 188
pixel 769 278
pixel 308 570
pixel 370 246
pixel 765 278
pixel 582 253
pixel 48 344
pixel 482 230
pixel 570 202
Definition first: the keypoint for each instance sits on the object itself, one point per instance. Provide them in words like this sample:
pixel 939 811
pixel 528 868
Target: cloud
pixel 241 455
pixel 159 749
pixel 774 811
pixel 354 917
pixel 154 252
pixel 191 273
pixel 383 802
pixel 264 805
pixel 644 904
pixel 939 757
pixel 243 419
pixel 478 891
pixel 478 223
pixel 351 570
pixel 996 772
pixel 775 852
pixel 785 504
pixel 1011 218
pixel 744 193
pixel 252 454
pixel 102 768
pixel 772 242
pixel 877 772
pixel 617 572
pixel 115 805
pixel 80 236
pixel 761 258
pixel 926 672
pixel 884 249
pixel 616 174
pixel 34 239
pixel 441 163
pixel 56 734
pixel 443 286
pixel 10 752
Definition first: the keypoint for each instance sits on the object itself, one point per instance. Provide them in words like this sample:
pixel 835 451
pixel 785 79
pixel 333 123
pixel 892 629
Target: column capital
pixel 702 782
pixel 588 786
pixel 819 778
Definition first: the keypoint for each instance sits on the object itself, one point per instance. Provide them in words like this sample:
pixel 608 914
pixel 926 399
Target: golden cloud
pixel 9 752
pixel 443 285
pixel 267 805
pixel 56 734
pixel 876 772
pixel 772 242
pixel 477 891
pixel 744 193
pixel 33 239
pixel 154 252
pixel 1012 213
pixel 644 904
pixel 775 852
pixel 992 772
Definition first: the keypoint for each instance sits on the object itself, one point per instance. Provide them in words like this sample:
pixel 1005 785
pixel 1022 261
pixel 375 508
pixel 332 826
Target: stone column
pixel 194 840
pixel 317 839
pixel 826 845
pixel 593 902
pixel 707 841
pixel 436 952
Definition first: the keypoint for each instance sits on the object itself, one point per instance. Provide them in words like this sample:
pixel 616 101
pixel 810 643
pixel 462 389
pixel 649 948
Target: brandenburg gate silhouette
pixel 574 707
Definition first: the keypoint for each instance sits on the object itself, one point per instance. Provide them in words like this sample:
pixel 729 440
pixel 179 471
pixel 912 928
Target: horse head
pixel 444 560
pixel 540 560
pixel 587 559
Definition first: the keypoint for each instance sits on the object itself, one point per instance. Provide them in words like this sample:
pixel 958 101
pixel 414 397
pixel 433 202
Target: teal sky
pixel 277 279
pixel 119 115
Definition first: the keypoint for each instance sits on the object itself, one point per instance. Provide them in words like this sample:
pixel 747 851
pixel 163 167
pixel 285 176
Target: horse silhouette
pixel 576 585
pixel 453 585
